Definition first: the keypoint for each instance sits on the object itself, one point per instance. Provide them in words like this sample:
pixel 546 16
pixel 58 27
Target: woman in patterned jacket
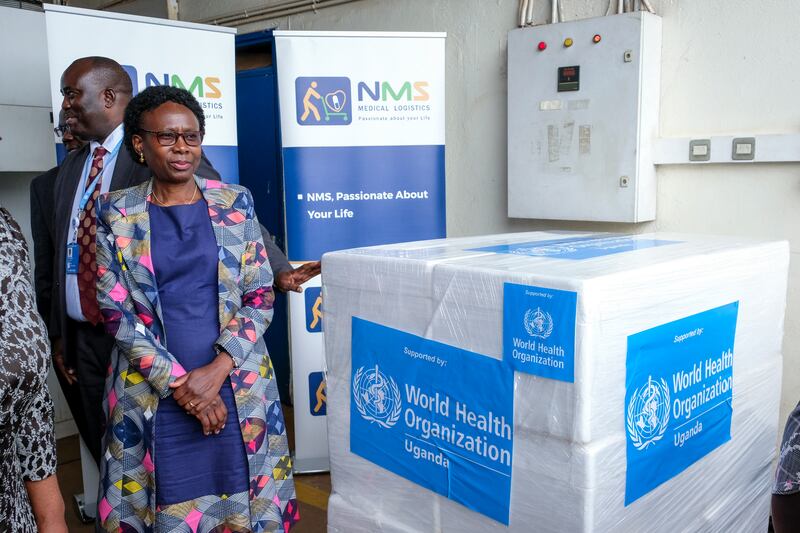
pixel 196 439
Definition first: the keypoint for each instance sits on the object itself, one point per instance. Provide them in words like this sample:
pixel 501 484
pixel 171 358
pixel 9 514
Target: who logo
pixel 538 323
pixel 376 396
pixel 323 101
pixel 648 413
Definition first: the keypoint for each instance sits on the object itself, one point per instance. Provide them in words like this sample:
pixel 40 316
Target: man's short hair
pixel 108 73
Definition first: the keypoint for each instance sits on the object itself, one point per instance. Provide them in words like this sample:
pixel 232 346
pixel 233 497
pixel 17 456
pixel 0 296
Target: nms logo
pixel 199 86
pixel 323 101
pixel 416 91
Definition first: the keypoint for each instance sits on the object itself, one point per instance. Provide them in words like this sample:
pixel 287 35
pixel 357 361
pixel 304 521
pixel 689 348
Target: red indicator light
pixel 596 39
pixel 542 45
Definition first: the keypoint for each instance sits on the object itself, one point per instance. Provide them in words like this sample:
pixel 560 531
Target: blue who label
pixel 577 248
pixel 434 414
pixel 678 392
pixel 539 330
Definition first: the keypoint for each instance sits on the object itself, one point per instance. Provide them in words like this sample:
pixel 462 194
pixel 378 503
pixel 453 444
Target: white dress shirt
pixel 112 144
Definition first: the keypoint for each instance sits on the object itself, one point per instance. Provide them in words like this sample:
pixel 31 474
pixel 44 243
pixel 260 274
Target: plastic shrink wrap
pixel 570 439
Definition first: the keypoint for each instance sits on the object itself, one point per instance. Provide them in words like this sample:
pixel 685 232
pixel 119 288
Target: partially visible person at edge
pixel 44 250
pixel 30 499
pixel 786 492
pixel 185 287
pixel 42 226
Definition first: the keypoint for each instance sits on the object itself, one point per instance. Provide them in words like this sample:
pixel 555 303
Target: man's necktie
pixel 87 230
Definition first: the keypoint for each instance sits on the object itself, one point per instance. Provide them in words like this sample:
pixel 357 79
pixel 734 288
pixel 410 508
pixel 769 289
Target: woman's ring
pixel 191 405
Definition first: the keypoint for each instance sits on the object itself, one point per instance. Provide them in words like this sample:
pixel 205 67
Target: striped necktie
pixel 87 230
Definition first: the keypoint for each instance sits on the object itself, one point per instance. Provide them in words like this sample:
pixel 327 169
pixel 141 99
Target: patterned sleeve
pixel 36 444
pixel 255 313
pixel 121 318
pixel 787 476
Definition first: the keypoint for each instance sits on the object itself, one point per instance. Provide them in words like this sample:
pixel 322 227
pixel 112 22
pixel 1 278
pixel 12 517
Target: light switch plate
pixel 743 149
pixel 700 150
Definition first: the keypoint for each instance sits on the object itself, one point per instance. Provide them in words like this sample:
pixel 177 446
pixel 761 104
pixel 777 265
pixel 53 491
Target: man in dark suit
pixel 42 226
pixel 43 230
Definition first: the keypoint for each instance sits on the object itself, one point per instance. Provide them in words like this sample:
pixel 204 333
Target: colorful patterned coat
pixel 142 369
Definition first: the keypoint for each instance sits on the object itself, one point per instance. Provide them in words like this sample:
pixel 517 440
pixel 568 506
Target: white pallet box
pixel 614 301
pixel 348 518
pixel 562 486
pixel 357 481
pixel 591 477
pixel 372 282
pixel 456 297
pixel 354 479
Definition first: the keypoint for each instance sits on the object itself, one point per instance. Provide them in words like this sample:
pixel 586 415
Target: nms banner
pixel 362 126
pixel 196 57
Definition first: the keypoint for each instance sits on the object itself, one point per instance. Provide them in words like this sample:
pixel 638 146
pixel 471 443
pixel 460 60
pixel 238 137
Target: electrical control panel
pixel 583 101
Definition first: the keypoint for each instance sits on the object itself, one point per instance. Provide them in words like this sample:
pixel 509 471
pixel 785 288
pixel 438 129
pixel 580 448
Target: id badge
pixel 73 253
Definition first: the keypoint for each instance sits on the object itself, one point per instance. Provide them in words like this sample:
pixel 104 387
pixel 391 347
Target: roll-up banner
pixel 363 138
pixel 196 57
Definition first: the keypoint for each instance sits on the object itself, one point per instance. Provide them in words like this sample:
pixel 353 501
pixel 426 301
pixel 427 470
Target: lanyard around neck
pixel 90 189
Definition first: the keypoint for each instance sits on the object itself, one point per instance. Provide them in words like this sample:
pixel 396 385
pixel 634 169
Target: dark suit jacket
pixel 42 228
pixel 127 173
pixel 278 262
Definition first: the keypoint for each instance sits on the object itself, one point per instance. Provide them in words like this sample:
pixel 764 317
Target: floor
pixel 312 490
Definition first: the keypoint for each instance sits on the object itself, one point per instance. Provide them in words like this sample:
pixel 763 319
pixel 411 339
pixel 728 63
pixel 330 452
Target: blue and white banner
pixel 196 57
pixel 678 396
pixel 577 248
pixel 539 330
pixel 437 415
pixel 362 135
pixel 306 323
pixel 362 128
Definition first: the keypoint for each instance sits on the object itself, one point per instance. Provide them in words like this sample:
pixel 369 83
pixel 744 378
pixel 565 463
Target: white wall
pixel 25 85
pixel 729 67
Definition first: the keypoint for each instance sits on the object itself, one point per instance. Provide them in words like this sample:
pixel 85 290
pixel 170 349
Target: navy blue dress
pixel 189 464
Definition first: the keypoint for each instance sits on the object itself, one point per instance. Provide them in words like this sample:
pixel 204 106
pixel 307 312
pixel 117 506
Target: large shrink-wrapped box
pixel 643 373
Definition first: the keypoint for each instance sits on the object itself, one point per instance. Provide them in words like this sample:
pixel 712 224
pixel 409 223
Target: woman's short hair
pixel 151 98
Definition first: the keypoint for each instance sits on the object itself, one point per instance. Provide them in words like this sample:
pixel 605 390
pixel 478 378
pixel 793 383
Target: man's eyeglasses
pixel 60 130
pixel 168 138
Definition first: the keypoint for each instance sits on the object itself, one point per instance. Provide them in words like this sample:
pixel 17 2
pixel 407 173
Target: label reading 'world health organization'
pixel 577 248
pixel 679 386
pixel 434 414
pixel 539 330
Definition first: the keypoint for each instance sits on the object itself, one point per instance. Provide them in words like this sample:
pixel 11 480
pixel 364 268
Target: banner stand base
pixel 311 465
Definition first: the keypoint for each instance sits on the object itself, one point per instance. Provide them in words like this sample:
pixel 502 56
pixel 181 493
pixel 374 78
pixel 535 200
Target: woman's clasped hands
pixel 197 392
